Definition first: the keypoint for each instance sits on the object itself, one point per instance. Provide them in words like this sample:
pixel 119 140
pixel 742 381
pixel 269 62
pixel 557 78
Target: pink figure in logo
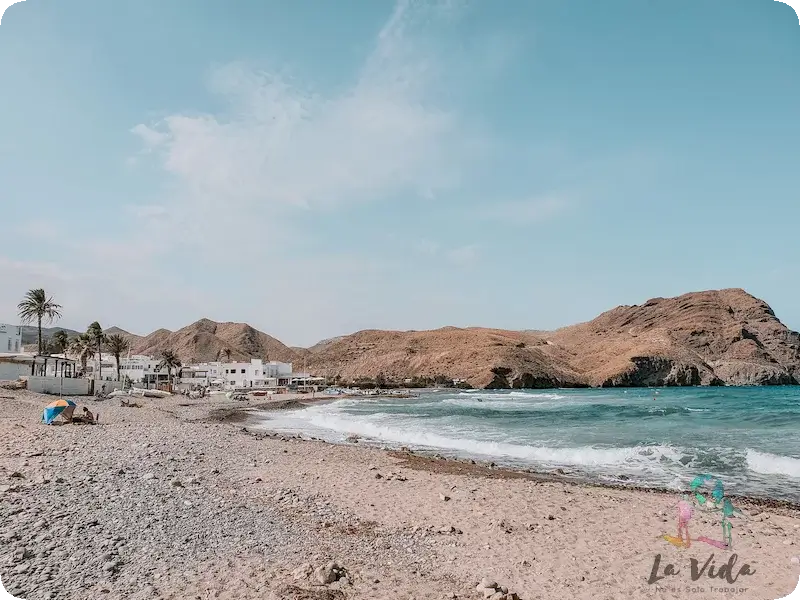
pixel 684 516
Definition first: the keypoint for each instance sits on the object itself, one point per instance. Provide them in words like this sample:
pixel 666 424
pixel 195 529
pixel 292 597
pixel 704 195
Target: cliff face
pixel 705 338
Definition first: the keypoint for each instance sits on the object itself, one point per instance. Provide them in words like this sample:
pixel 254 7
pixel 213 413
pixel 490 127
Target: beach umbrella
pixel 59 407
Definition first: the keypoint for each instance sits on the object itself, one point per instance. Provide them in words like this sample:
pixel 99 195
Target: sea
pixel 749 438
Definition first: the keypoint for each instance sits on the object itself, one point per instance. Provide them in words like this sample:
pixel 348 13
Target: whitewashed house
pixel 10 338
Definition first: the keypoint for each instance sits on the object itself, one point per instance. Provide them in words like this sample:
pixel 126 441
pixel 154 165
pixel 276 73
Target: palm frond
pixel 37 305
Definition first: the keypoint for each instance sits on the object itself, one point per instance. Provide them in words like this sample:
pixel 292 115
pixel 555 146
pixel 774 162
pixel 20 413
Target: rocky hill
pixel 704 338
pixel 724 337
pixel 482 357
pixel 30 334
pixel 208 340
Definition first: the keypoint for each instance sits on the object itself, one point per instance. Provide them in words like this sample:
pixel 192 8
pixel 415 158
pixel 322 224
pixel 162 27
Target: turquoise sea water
pixel 750 437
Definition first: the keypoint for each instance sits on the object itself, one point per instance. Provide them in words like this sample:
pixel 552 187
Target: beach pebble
pixel 444 498
pixel 110 566
pixel 328 573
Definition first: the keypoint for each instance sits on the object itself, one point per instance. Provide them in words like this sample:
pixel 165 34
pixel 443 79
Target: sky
pixel 316 168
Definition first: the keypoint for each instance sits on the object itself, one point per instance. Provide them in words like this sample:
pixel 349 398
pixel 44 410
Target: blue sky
pixel 315 168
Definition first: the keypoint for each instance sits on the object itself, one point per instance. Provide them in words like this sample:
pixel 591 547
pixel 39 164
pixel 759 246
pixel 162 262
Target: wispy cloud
pixel 149 136
pixel 286 145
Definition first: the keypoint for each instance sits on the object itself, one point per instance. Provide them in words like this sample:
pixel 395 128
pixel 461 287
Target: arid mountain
pixel 30 334
pixel 705 338
pixel 480 356
pixel 207 340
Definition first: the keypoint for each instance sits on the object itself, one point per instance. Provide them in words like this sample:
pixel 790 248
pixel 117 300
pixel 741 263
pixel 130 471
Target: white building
pixel 10 338
pixel 138 368
pixel 238 375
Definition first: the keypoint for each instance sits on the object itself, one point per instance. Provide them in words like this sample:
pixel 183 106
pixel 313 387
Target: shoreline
pixel 180 499
pixel 427 460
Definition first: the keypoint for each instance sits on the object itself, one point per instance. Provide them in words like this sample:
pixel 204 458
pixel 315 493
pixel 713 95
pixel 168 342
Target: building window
pixel 9 344
pixel 242 371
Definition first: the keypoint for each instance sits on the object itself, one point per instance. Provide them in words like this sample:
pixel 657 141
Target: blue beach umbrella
pixel 59 407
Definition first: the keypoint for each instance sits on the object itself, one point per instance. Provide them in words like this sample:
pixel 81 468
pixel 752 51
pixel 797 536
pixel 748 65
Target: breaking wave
pixel 772 464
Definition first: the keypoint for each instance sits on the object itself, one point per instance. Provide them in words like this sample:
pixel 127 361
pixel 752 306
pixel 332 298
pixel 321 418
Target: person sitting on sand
pixel 88 417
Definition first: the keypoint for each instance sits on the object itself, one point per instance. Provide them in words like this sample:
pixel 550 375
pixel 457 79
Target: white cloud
pixel 149 136
pixel 284 145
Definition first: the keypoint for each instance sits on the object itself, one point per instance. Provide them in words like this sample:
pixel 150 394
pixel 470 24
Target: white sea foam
pixel 384 428
pixel 772 464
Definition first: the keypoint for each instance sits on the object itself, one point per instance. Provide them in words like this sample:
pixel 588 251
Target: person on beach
pixel 88 417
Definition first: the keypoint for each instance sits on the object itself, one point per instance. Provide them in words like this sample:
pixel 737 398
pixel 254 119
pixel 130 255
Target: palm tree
pixel 117 345
pixel 37 307
pixel 98 338
pixel 227 353
pixel 82 347
pixel 169 361
pixel 60 342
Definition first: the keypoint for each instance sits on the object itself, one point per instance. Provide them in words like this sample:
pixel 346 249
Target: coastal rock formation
pixel 705 338
pixel 724 337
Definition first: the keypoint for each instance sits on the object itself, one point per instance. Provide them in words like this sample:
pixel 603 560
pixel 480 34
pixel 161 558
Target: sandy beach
pixel 186 499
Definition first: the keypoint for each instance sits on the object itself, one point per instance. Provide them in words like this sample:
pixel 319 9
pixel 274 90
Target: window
pixel 16 345
pixel 242 370
pixel 9 344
